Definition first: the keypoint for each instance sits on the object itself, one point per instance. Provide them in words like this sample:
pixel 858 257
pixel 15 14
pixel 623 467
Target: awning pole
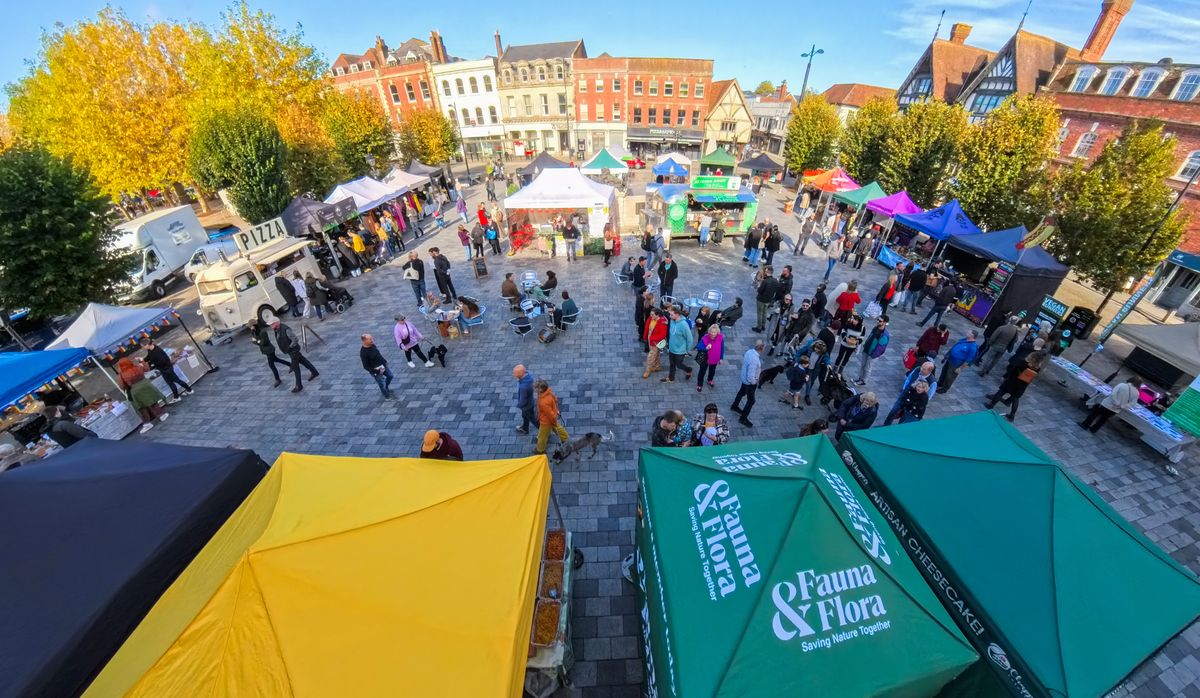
pixel 554 502
pixel 211 365
pixel 107 375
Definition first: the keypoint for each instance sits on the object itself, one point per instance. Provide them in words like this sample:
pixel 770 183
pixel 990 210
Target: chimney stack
pixel 380 50
pixel 436 46
pixel 442 48
pixel 1111 14
pixel 499 46
pixel 783 93
pixel 959 33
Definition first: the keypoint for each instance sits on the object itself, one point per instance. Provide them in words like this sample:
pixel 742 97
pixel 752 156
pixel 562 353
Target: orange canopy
pixel 833 181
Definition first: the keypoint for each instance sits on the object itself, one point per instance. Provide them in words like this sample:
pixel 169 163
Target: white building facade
pixel 469 94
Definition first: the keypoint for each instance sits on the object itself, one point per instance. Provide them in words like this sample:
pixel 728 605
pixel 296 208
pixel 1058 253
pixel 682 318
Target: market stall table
pixel 552 660
pixel 1157 431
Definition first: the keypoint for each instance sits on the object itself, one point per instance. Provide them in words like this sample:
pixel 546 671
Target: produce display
pixel 556 545
pixel 552 580
pixel 545 622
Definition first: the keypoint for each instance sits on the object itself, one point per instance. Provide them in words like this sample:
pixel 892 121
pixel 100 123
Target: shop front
pixel 650 142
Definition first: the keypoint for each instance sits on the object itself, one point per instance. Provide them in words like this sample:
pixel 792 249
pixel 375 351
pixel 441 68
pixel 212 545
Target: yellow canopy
pixel 353 577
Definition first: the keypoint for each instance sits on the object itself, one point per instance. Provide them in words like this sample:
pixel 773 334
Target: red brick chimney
pixel 435 46
pixel 783 93
pixel 380 51
pixel 499 46
pixel 1111 14
pixel 959 33
pixel 442 48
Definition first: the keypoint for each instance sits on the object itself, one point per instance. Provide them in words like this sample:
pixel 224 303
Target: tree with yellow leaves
pixel 360 131
pixel 427 135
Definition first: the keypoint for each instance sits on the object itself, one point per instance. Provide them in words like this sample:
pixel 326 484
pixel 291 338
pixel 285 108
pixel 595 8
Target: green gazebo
pixel 720 159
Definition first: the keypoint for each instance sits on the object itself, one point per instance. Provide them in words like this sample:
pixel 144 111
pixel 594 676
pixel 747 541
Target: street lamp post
pixel 814 51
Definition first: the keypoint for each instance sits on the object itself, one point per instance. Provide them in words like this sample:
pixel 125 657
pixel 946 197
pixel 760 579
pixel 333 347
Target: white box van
pixel 233 292
pixel 210 254
pixel 162 242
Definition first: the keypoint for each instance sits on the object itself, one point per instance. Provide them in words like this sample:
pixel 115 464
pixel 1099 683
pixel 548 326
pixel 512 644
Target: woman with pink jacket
pixel 711 350
pixel 408 338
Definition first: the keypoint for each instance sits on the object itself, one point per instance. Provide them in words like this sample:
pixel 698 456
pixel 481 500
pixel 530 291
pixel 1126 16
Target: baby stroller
pixel 835 389
pixel 340 299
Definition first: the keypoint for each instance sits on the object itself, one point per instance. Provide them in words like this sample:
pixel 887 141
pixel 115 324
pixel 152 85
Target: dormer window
pixel 1189 85
pixel 558 72
pixel 353 67
pixel 1147 82
pixel 339 71
pixel 366 65
pixel 1114 81
pixel 1083 78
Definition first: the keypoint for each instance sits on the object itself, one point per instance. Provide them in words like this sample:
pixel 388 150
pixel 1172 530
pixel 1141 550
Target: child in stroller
pixel 835 389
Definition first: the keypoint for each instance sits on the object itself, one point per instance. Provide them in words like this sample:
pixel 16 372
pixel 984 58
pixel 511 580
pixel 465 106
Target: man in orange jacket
pixel 547 407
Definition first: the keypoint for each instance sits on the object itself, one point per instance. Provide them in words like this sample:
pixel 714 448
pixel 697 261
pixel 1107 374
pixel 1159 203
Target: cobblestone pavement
pixel 596 371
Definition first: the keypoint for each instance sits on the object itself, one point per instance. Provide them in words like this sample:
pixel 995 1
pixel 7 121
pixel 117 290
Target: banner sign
pixel 1038 235
pixel 262 234
pixel 717 182
pixel 1129 305
pixel 1000 656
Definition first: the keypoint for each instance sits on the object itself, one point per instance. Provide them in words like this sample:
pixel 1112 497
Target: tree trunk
pixel 1104 302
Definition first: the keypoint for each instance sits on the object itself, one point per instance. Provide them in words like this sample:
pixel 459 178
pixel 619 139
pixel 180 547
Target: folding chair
pixel 712 298
pixel 521 326
pixel 621 278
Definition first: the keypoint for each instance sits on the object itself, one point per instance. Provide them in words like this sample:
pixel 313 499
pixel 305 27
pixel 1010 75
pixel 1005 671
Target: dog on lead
pixel 589 439
pixel 769 375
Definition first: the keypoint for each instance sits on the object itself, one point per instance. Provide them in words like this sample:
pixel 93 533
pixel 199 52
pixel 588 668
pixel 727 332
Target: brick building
pixel 849 97
pixel 1096 100
pixel 666 103
pixel 399 78
pixel 601 85
pixel 536 92
pixel 771 114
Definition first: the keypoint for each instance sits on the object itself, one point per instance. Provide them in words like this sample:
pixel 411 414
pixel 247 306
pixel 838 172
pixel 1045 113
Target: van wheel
pixel 265 311
pixel 159 289
pixel 191 278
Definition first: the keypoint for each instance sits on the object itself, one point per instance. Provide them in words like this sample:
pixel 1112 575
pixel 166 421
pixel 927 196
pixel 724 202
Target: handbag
pixel 662 344
pixel 873 310
pixel 1027 375
pixel 910 358
pixel 411 274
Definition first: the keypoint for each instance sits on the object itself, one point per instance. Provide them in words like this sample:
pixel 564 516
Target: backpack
pixel 547 335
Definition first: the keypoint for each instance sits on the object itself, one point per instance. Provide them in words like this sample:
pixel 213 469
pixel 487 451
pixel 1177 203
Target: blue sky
pixel 871 41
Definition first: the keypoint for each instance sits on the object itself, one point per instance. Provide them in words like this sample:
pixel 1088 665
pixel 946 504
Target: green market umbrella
pixel 859 197
pixel 719 157
pixel 763 570
pixel 603 160
pixel 1059 592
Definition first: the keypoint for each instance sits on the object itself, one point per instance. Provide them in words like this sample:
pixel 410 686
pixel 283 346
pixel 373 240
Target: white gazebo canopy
pixel 366 192
pixel 676 156
pixel 566 188
pixel 405 180
pixel 101 328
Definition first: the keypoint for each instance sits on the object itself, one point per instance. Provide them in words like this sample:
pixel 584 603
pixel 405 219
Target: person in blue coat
pixel 960 356
pixel 525 401
pixel 925 373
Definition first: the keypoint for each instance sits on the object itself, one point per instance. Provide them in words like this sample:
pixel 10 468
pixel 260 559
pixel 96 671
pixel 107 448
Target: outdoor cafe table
pixel 1158 432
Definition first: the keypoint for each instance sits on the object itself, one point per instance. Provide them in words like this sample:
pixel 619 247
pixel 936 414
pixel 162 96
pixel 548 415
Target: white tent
pixel 676 156
pixel 405 180
pixel 102 328
pixel 366 192
pixel 567 188
pixel 618 151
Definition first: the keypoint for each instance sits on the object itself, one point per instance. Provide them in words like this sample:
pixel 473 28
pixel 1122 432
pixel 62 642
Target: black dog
pixel 769 375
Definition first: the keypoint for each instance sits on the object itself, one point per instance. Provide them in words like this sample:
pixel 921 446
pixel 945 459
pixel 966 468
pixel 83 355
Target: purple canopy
pixel 894 205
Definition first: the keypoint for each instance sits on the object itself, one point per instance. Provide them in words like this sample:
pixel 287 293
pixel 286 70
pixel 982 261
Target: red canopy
pixel 833 181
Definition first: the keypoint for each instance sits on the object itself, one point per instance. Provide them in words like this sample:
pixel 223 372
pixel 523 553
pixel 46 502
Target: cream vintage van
pixel 233 291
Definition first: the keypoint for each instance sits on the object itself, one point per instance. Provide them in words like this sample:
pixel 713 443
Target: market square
pixel 760 529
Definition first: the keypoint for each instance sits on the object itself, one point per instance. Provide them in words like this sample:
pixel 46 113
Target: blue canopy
pixel 90 538
pixel 942 222
pixel 1001 246
pixel 23 372
pixel 670 168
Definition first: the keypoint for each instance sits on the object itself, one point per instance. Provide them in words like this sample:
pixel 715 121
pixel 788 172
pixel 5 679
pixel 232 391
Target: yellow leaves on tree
pixel 428 136
pixel 360 131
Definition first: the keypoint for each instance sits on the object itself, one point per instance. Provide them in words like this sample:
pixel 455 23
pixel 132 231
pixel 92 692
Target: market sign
pixel 717 182
pixel 720 198
pixel 262 234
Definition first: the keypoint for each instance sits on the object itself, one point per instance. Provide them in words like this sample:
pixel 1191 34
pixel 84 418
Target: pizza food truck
pixel 234 291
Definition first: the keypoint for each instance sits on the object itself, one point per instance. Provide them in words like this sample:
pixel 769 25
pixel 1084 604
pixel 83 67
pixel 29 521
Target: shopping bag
pixel 910 358
pixel 873 310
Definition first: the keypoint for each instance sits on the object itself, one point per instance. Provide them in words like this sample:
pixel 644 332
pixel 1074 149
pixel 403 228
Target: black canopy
pixel 304 213
pixel 761 163
pixel 1001 246
pixel 89 540
pixel 543 161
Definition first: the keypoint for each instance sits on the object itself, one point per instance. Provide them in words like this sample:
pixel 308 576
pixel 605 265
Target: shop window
pixel 637 115
pixel 653 120
pixel 654 88
pixel 616 84
pixel 616 112
pixel 683 89
pixel 637 87
pixel 695 118
pixel 395 94
pixel 425 90
pixel 408 89
pixel 492 116
pixel 668 89
pixel 487 83
pixel 458 85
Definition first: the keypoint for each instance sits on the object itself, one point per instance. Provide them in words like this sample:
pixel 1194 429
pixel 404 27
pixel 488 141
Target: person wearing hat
pixel 438 445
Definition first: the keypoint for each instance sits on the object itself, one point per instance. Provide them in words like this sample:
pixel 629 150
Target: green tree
pixel 428 136
pixel 812 134
pixel 1002 181
pixel 242 150
pixel 923 149
pixel 56 237
pixel 863 145
pixel 312 167
pixel 766 87
pixel 360 131
pixel 1115 218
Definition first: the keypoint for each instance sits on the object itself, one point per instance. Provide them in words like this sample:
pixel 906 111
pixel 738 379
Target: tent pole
pixel 554 502
pixel 107 374
pixel 211 365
